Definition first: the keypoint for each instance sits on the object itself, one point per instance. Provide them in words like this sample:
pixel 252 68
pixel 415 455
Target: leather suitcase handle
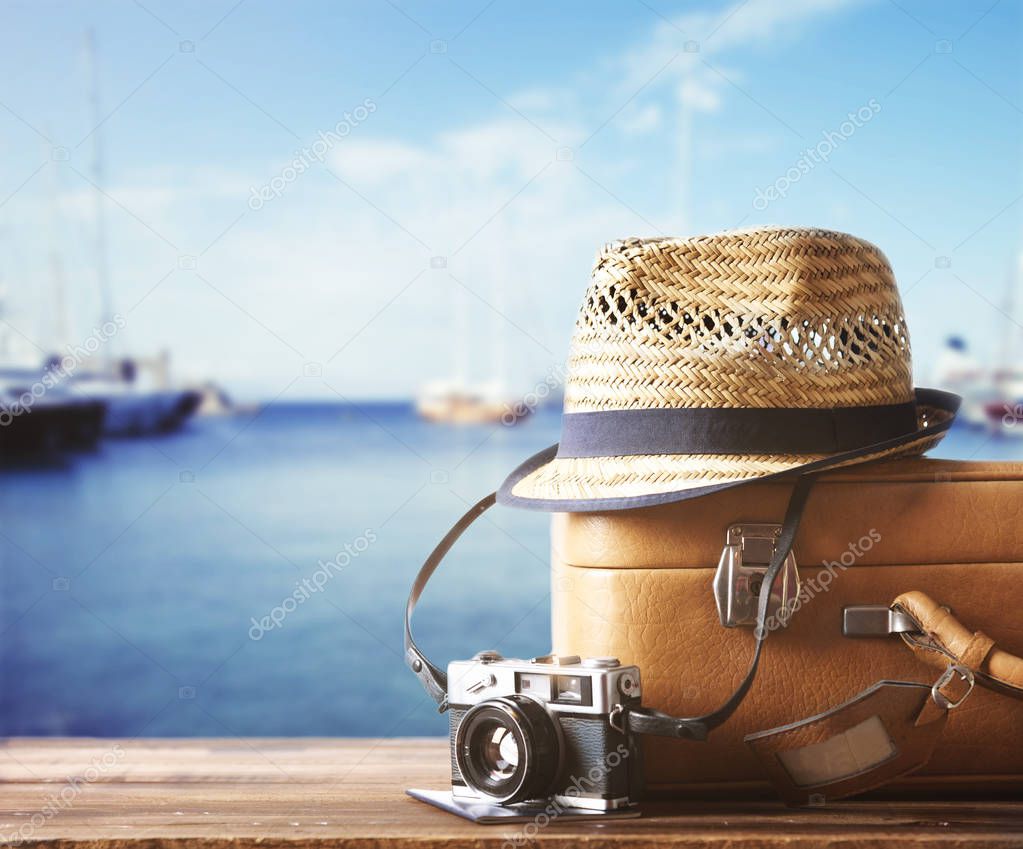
pixel 949 641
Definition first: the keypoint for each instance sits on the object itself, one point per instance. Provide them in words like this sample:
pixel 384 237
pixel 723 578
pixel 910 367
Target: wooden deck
pixel 100 794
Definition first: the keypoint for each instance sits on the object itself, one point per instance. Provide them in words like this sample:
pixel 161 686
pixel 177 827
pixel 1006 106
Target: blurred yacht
pixel 1005 412
pixel 137 392
pixel 992 397
pixel 958 371
pixel 36 419
pixel 458 400
pixel 37 415
pixel 453 402
pixel 214 401
pixel 135 407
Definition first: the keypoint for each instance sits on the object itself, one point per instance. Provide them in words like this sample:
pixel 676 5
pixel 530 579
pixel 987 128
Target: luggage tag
pixel 888 730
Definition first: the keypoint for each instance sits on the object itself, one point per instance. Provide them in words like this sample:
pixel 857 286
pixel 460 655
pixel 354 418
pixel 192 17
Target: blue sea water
pixel 130 579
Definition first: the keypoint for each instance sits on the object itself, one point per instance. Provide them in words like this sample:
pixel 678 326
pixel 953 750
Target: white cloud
pixel 151 193
pixel 742 145
pixel 641 120
pixel 380 160
pixel 759 22
pixel 746 23
pixel 680 48
pixel 540 100
pixel 698 94
pixel 481 151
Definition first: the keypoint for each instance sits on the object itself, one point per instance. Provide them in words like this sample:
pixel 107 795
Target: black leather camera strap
pixel 435 680
pixel 646 720
pixel 641 720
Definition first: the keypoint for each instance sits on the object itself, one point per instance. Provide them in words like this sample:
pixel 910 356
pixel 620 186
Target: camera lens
pixel 499 751
pixel 507 749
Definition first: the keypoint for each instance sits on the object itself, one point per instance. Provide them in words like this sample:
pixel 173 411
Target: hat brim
pixel 582 484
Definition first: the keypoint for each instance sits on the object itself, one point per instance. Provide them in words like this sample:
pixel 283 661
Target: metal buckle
pixel 748 550
pixel 940 699
pixel 875 620
pixel 616 719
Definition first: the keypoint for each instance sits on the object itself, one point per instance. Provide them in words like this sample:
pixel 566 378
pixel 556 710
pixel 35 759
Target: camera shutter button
pixel 557 659
pixel 601 662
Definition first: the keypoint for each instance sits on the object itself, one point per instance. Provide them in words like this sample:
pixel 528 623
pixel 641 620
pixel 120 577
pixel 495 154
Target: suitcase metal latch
pixel 876 620
pixel 747 554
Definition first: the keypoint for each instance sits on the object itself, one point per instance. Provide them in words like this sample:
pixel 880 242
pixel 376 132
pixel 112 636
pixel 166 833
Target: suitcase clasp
pixel 876 620
pixel 748 550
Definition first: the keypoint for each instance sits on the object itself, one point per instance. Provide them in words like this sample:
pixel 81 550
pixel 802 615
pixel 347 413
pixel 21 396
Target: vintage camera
pixel 551 728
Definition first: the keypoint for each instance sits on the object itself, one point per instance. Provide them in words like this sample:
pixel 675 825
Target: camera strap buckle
pixel 616 719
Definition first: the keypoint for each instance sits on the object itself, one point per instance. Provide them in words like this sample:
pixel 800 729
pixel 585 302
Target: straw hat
pixel 706 362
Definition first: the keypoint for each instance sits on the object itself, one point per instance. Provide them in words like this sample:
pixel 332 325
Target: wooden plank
pixel 225 794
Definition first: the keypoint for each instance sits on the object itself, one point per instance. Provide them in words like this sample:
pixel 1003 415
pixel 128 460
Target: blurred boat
pixel 457 400
pixel 37 431
pixel 957 371
pixel 136 391
pixel 992 397
pixel 214 401
pixel 131 413
pixel 71 400
pixel 133 410
pixel 34 424
pixel 452 402
pixel 1005 413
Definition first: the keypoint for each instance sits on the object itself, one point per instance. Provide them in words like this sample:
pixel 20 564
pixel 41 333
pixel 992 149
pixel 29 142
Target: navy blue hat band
pixel 748 431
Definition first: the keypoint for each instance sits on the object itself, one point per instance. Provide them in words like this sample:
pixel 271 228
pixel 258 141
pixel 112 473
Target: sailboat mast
pixel 461 351
pixel 100 235
pixel 684 152
pixel 500 279
pixel 1003 363
pixel 4 332
pixel 60 328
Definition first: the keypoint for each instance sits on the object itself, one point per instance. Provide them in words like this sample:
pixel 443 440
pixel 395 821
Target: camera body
pixel 549 728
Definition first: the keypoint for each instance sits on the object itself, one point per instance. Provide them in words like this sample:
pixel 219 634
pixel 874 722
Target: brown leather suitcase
pixel 640 585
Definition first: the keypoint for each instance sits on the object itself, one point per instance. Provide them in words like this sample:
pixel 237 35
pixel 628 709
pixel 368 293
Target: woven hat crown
pixel 771 317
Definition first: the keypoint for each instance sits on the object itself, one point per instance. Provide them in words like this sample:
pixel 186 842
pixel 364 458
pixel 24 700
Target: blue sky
pixel 508 139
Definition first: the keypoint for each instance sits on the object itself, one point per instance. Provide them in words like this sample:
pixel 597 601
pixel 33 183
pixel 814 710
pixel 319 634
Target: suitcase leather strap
pixel 893 727
pixel 641 720
pixel 886 731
